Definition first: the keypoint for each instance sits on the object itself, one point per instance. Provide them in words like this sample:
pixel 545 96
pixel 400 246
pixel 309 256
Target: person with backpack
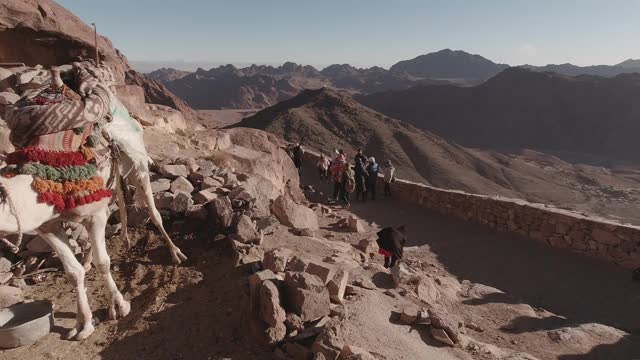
pixel 348 184
pixel 337 172
pixel 391 244
pixel 389 176
pixel 361 179
pixel 372 178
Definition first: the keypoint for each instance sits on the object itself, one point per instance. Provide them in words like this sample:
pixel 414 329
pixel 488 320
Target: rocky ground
pixel 275 273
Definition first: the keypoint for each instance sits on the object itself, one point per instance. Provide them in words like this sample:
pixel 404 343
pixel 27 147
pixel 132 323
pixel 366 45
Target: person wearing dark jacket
pixel 391 243
pixel 298 157
pixel 360 157
pixel 372 178
pixel 361 180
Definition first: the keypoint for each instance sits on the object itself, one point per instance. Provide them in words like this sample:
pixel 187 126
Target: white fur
pixel 47 222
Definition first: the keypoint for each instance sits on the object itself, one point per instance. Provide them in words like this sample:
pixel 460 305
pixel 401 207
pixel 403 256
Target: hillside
pixel 327 119
pixel 584 115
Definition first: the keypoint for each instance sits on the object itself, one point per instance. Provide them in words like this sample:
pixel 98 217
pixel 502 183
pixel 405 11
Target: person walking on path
pixel 323 167
pixel 298 157
pixel 348 184
pixel 389 176
pixel 361 179
pixel 372 178
pixel 391 244
pixel 337 172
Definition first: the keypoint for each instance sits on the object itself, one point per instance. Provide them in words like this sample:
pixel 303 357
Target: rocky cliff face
pixel 42 32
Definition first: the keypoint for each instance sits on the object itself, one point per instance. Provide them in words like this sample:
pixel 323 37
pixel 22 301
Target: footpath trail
pixel 581 289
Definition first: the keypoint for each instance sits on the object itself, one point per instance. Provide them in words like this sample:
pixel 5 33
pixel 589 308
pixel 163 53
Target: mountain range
pixel 520 108
pixel 259 86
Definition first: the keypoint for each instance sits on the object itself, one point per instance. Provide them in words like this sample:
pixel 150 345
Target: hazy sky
pixel 367 32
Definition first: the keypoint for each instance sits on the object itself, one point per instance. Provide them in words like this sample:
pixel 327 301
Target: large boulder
pixel 254 152
pixel 294 215
pixel 271 312
pixel 306 296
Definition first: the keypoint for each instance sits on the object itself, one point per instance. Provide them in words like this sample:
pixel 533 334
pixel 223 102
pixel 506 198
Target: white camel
pixel 21 212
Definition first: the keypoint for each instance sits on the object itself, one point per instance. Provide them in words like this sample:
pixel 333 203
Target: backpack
pixel 350 181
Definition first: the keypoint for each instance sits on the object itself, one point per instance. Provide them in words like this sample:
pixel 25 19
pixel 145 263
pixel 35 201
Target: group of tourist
pixel 360 177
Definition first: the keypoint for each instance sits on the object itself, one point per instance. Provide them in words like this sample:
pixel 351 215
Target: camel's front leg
pixel 118 306
pixel 54 235
pixel 143 183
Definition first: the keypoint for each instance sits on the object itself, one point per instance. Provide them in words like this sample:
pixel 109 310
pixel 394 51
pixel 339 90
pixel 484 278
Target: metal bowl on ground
pixel 24 324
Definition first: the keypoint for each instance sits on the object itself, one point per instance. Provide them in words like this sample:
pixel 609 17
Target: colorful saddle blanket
pixel 63 179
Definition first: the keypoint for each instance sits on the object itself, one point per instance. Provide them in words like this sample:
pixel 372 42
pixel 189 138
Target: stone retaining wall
pixel 556 227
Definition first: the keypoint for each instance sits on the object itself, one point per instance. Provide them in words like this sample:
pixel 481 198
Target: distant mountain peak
pixel 630 63
pixel 448 63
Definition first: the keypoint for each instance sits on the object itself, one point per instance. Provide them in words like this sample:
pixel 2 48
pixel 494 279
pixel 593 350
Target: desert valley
pixel 518 186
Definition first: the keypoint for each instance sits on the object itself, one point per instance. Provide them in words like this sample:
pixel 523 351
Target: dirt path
pixel 579 289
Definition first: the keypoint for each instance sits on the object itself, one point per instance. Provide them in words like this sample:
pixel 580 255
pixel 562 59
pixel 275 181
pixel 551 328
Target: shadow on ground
pixel 582 289
pixel 198 320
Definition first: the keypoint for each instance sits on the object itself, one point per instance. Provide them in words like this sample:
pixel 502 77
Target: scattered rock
pixel 173 171
pixel 246 230
pixel 204 196
pixel 403 274
pixel 368 246
pixel 163 200
pixel 246 253
pixel 328 343
pixel 427 290
pixel 324 271
pixel 276 260
pixel 220 210
pixel 338 285
pixel 355 225
pixel 441 320
pixel 181 202
pixel 441 336
pixel 197 212
pixel 275 334
pixel 209 182
pixel 160 185
pixel 293 322
pixel 409 315
pixel 181 184
pixel 297 264
pixel 306 296
pixel 294 215
pixel 10 295
pixel 271 311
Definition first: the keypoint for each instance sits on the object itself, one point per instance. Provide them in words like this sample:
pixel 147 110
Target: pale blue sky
pixel 367 32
